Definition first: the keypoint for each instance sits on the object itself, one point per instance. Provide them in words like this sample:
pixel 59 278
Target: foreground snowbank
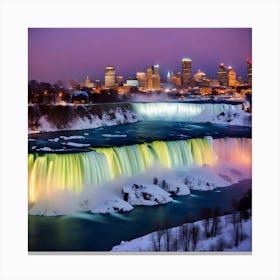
pixel 232 233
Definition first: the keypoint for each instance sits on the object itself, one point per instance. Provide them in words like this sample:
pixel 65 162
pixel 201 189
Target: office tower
pixel 141 77
pixel 156 77
pixel 109 77
pixel 186 71
pixel 231 77
pixel 176 79
pixel 249 72
pixel 150 78
pixel 222 75
pixel 120 80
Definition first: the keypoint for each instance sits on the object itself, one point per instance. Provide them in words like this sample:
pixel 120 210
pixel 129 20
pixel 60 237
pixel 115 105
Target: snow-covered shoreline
pixel 221 233
pixel 43 118
pixel 59 118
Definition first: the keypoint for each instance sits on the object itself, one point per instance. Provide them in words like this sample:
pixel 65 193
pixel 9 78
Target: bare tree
pixel 175 240
pixel 195 234
pixel 215 221
pixel 156 240
pixel 185 234
pixel 206 214
pixel 167 239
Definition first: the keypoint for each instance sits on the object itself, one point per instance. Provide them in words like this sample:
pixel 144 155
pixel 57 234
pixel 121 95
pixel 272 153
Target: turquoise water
pixel 134 133
pixel 100 232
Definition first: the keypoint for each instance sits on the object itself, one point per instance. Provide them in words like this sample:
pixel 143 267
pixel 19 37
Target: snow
pixel 45 210
pixel 172 185
pixel 229 117
pixel 114 135
pixel 121 116
pixel 47 149
pixel 75 144
pixel 72 137
pixel 54 139
pixel 205 178
pixel 112 205
pixel 222 241
pixel 145 194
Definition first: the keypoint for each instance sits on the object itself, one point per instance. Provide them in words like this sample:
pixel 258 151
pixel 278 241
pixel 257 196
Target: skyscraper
pixel 249 72
pixel 156 77
pixel 141 77
pixel 153 78
pixel 186 71
pixel 109 76
pixel 231 77
pixel 150 78
pixel 222 75
pixel 120 80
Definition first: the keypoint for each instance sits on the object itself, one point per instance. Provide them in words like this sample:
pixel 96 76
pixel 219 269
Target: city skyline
pixel 73 53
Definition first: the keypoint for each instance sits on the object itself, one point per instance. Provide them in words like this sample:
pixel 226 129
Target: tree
pixel 156 240
pixel 215 221
pixel 206 214
pixel 195 234
pixel 185 236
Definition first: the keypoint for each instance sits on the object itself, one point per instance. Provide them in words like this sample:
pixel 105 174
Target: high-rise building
pixel 150 78
pixel 186 71
pixel 249 72
pixel 141 77
pixel 153 78
pixel 156 77
pixel 156 69
pixel 175 79
pixel 231 77
pixel 88 83
pixel 109 77
pixel 120 80
pixel 222 75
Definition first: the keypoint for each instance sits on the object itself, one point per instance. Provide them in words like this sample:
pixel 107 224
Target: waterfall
pixel 180 111
pixel 72 172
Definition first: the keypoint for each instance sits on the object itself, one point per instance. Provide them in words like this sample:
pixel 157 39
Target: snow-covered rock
pixel 204 178
pixel 112 205
pixel 145 194
pixel 195 183
pixel 45 210
pixel 234 117
pixel 173 186
pixel 229 117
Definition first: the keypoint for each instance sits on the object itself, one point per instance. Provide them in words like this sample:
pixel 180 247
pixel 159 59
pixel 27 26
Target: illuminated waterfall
pixel 49 173
pixel 234 150
pixel 179 111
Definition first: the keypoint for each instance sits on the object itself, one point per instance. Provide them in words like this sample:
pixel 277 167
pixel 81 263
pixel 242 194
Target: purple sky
pixel 73 53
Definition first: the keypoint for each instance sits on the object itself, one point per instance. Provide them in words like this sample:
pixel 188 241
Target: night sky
pixel 72 53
